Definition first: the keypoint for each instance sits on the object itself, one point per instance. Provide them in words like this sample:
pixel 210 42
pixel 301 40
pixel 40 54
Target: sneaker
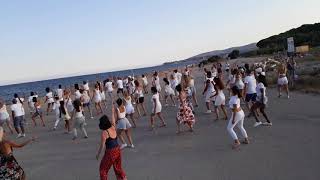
pixel 288 97
pixel 54 129
pixel 257 124
pixel 131 146
pixel 23 135
pixel 208 111
pixel 267 124
pixel 123 146
pixel 19 136
pixel 86 137
pixel 91 117
pixel 74 138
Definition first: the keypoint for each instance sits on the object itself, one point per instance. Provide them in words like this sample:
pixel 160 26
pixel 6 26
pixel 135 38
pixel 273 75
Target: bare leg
pixel 119 132
pixel 133 120
pixel 34 120
pixel 152 121
pixel 208 106
pixel 217 112
pixel 162 120
pixel 279 90
pixel 144 109
pixel 286 87
pixel 128 134
pixel 10 127
pixel 43 124
pixel 172 99
pixel 178 127
pixel 194 96
pixel 224 112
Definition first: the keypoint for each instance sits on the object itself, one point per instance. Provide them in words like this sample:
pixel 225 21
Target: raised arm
pixel 113 115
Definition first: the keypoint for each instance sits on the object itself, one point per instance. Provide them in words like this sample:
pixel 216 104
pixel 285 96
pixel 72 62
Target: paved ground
pixel 287 151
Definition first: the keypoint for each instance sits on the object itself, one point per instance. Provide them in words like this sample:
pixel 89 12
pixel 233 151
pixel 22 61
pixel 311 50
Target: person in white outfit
pixel 85 99
pixel 49 100
pixel 283 80
pixel 96 97
pixel 123 125
pixel 168 92
pixel 109 88
pixel 209 91
pixel 139 98
pixel 156 82
pixel 145 83
pixel 4 116
pixel 129 108
pixel 156 109
pixel 237 118
pixel 30 102
pixel 59 92
pixel 56 108
pixel 220 99
pixel 18 114
pixel 86 87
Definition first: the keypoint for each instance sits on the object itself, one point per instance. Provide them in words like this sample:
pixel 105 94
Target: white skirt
pixel 220 99
pixel 103 96
pixel 283 81
pixel 129 109
pixel 158 109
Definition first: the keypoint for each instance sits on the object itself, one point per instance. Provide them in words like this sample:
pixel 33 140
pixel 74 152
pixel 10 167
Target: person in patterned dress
pixel 9 167
pixel 185 114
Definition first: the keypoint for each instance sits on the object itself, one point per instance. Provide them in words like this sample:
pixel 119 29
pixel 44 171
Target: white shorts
pixel 129 109
pixel 208 97
pixel 169 92
pixel 103 96
pixel 50 101
pixel 123 124
pixel 283 81
pixel 220 100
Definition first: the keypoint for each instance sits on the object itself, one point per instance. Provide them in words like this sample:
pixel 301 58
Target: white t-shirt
pixel 4 113
pixel 86 87
pixel 56 108
pixel 251 83
pixel 60 93
pixel 145 81
pixel 259 94
pixel 120 84
pixel 77 94
pixel 234 100
pixel 19 99
pixel 108 86
pixel 17 109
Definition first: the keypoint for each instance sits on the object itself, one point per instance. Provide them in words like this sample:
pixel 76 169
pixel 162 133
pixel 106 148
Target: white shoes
pixel 123 146
pixel 267 124
pixel 208 111
pixel 21 135
pixel 257 124
pixel 131 146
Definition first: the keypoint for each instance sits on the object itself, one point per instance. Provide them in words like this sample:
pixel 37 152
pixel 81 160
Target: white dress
pixel 50 99
pixel 97 96
pixel 220 98
pixel 210 92
pixel 158 109
pixel 168 90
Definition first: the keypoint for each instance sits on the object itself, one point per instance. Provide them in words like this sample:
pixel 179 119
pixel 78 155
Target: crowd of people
pixel 245 86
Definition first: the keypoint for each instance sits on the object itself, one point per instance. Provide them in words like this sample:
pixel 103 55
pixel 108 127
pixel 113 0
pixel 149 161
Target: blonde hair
pixel 1 134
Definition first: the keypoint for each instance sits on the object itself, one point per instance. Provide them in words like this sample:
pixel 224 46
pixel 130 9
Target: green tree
pixel 234 54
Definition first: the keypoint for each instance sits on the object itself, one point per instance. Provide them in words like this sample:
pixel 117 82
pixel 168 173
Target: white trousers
pixel 239 123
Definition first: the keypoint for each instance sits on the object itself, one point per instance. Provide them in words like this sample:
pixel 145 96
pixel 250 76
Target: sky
pixel 42 39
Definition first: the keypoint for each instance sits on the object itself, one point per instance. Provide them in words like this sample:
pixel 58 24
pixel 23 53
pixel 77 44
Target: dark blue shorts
pixel 251 97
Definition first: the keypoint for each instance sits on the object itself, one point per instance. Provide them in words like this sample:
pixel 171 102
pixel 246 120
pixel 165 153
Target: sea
pixel 24 89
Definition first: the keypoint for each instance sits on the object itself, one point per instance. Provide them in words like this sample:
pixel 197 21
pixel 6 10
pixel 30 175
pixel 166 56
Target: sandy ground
pixel 288 150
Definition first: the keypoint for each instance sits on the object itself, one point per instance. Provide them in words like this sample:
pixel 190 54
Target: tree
pixel 234 54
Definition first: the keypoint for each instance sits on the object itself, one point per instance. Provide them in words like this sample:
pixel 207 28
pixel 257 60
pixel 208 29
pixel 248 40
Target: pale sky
pixel 42 39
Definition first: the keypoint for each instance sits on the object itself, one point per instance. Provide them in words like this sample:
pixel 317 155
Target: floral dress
pixel 9 168
pixel 185 114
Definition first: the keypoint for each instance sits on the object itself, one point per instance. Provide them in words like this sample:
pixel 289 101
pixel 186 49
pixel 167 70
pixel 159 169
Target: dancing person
pixel 80 120
pixel 173 83
pixel 191 84
pixel 68 101
pixel 156 82
pixel 97 99
pixel 85 99
pixel 59 92
pixel 209 91
pixel 38 112
pixel 156 109
pixel 109 142
pixel 231 79
pixel 282 80
pixel 237 118
pixel 177 75
pixel 10 168
pixel 140 98
pixel 109 88
pixel 120 86
pixel 185 114
pixel 123 125
pixel 220 98
pixel 65 116
pixel 129 108
pixel 261 102
pixel 19 100
pixel 77 94
pixel 145 83
pixel 56 108
pixel 49 99
pixel 239 83
pixel 4 116
pixel 250 88
pixel 30 102
pixel 86 87
pixel 102 94
pixel 18 118
pixel 169 92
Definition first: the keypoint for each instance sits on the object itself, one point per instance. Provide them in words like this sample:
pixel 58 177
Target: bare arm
pixel 155 105
pixel 102 144
pixel 205 89
pixel 16 145
pixel 113 118
pixel 234 111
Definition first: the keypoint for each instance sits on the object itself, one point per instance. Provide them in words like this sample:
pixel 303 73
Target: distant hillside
pixel 308 34
pixel 242 49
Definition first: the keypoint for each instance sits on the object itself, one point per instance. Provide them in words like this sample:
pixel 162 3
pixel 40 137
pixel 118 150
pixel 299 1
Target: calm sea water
pixel 24 89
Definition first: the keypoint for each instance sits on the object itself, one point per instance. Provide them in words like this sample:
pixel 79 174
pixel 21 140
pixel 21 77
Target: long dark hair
pixel 17 96
pixel 263 80
pixel 235 90
pixel 104 123
pixel 77 105
pixel 166 81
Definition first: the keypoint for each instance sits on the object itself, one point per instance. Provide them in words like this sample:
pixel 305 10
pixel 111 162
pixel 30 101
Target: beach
pixel 289 150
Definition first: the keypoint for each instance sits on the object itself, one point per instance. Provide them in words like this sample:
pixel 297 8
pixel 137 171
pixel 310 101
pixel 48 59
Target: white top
pixel 157 82
pixel 178 77
pixel 259 94
pixel 86 87
pixel 56 107
pixel 4 113
pixel 17 109
pixel 157 98
pixel 145 81
pixel 79 114
pixel 231 79
pixel 77 94
pixel 60 93
pixel 121 115
pixel 234 100
pixel 120 84
pixel 31 98
pixel 109 86
pixel 139 92
pixel 239 83
pixel 19 99
pixel 174 83
pixel 85 97
pixel 251 83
